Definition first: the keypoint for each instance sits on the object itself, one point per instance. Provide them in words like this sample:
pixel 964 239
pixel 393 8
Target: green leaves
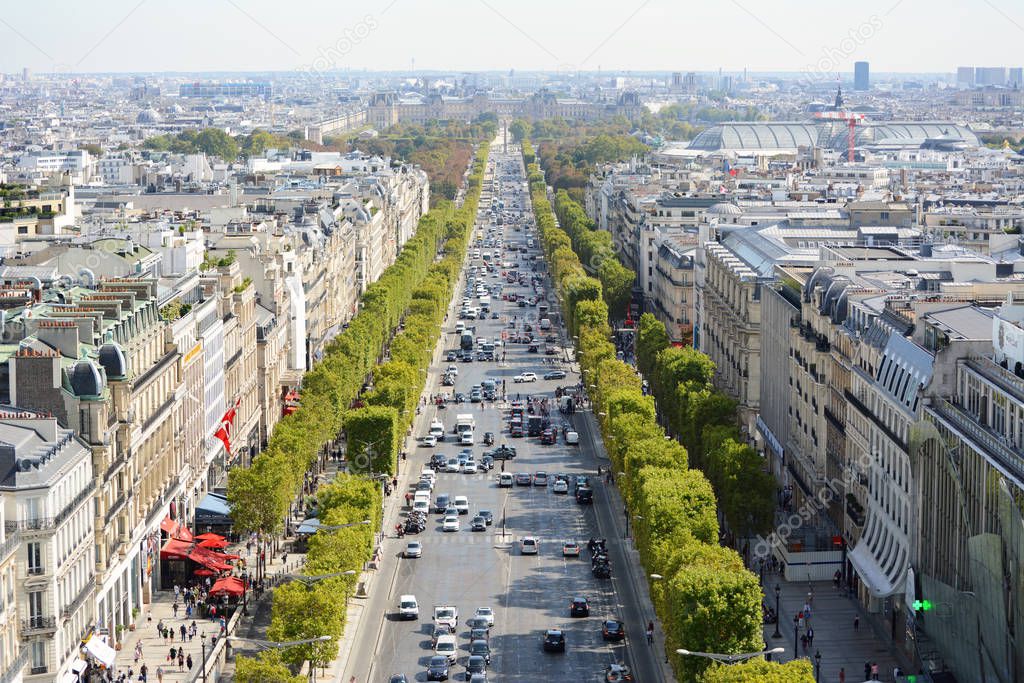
pixel 760 671
pixel 266 667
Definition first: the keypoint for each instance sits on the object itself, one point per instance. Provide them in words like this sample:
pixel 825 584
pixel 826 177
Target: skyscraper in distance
pixel 861 76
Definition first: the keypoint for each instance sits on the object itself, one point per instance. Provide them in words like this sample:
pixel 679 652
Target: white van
pixel 505 480
pixel 408 608
pixel 466 438
pixel 460 327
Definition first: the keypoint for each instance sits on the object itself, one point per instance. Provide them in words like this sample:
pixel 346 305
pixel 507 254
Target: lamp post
pixel 202 640
pixel 817 666
pixel 659 577
pixel 777 633
pixel 730 659
pixel 796 635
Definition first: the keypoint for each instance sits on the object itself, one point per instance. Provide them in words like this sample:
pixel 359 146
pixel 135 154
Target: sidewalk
pixel 832 617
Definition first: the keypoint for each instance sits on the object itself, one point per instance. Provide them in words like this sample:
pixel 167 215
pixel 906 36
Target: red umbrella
pixel 202 571
pixel 214 543
pixel 209 537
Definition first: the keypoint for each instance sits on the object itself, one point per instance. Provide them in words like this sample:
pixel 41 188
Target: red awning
pixel 203 571
pixel 169 525
pixel 210 537
pixel 184 533
pixel 175 550
pixel 211 558
pixel 213 543
pixel 229 585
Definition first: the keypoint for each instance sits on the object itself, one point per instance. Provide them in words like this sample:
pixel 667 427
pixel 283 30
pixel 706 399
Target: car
pixel 485 613
pixel 528 546
pixel 478 678
pixel 437 631
pixel 554 374
pixel 486 463
pixel 437 668
pixel 540 479
pixel 450 510
pixel 452 465
pixel 505 480
pixel 429 441
pixel 421 506
pixel 560 486
pixel 448 381
pixel 475 664
pixel 408 608
pixel 487 515
pixel 398 678
pixel 488 438
pixel 451 356
pixel 413 549
pixel 469 466
pixel 446 615
pixel 582 481
pixel 572 437
pixel 478 524
pixel 523 479
pixel 502 452
pixel 441 502
pixel 447 646
pixel 480 648
pixel 548 437
pixel 452 370
pixel 462 504
pixel 554 640
pixel 579 607
pixel 584 496
pixel 613 629
pixel 477 624
pixel 516 430
pixel 451 523
pixel 570 549
pixel 525 377
pixel 424 485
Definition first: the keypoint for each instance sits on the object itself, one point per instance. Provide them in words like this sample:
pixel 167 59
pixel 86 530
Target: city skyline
pixel 395 35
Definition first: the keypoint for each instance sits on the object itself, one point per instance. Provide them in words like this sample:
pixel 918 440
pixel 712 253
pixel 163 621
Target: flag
pixel 227 426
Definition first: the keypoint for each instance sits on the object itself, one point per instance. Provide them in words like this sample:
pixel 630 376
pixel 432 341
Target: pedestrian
pixel 856 623
pixel 173 655
pixel 867 671
pixel 803 641
pixel 842 674
pixel 188 661
pixel 183 631
pixel 181 660
pixel 810 637
pixel 174 609
pixel 160 674
pixel 160 627
pixel 143 673
pixel 138 652
pixel 177 591
pixel 650 632
pixel 874 671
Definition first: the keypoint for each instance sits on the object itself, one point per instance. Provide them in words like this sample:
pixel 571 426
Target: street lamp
pixel 778 591
pixel 796 635
pixel 270 644
pixel 202 639
pixel 817 666
pixel 626 511
pixel 731 659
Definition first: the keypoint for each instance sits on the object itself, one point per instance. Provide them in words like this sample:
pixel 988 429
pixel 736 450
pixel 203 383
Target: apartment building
pixel 30 211
pixel 672 296
pixel 47 485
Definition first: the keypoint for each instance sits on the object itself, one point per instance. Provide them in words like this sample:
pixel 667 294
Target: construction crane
pixel 851 119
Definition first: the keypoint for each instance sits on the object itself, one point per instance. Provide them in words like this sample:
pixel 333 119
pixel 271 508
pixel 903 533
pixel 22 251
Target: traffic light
pixel 922 605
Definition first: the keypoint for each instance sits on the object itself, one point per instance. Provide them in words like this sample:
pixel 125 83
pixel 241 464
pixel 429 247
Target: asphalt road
pixel 529 594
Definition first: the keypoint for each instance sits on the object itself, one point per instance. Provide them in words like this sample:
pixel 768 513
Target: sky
pixel 823 36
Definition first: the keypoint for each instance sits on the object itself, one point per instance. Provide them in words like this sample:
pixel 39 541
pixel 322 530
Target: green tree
pixel 520 130
pixel 616 286
pixel 266 667
pixel 373 439
pixel 760 671
pixel 217 143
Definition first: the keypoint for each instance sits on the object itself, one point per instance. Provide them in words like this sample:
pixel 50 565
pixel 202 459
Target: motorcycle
pixel 617 673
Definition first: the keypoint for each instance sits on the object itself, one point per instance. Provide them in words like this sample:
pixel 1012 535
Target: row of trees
pixel 706 600
pixel 400 316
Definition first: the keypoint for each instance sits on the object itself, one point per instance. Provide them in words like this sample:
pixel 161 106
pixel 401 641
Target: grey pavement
pixel 832 616
pixel 471 569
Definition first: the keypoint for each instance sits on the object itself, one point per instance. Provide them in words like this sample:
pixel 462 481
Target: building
pixel 242 89
pixel 30 212
pixel 861 76
pixel 965 76
pixel 78 164
pixel 47 482
pixel 990 75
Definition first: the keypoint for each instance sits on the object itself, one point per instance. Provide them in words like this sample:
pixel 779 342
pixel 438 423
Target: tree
pixel 373 439
pixel 520 130
pixel 217 143
pixel 760 671
pixel 616 286
pixel 266 667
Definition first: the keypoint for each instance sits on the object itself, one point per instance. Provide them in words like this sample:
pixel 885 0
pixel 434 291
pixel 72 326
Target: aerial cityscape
pixel 495 341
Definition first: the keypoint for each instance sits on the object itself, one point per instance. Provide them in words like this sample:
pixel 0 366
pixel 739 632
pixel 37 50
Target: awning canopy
pixel 213 543
pixel 209 537
pixel 213 510
pixel 229 585
pixel 175 529
pixel 99 649
pixel 175 549
pixel 309 526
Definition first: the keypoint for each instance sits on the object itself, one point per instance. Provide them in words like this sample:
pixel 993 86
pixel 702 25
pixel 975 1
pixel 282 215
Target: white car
pixel 429 441
pixel 525 377
pixel 461 504
pixel 413 549
pixel 572 437
pixel 528 546
pixel 422 506
pixel 560 486
pixel 469 467
pixel 487 614
pixel 408 608
pixel 452 465
pixel 452 370
pixel 446 646
pixel 451 523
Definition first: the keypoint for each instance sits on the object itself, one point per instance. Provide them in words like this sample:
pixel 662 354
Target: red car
pixel 547 437
pixel 516 429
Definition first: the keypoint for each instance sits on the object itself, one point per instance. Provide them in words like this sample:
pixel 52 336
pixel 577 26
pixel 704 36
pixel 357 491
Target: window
pixel 38 657
pixel 35 558
pixel 35 607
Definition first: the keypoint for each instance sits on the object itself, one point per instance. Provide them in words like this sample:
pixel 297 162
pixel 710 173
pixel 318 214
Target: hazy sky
pixel 248 35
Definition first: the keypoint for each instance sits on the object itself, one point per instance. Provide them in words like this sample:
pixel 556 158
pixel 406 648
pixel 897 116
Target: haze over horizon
pixel 896 36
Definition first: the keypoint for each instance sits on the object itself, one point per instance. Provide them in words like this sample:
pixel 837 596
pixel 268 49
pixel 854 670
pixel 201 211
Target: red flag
pixel 227 426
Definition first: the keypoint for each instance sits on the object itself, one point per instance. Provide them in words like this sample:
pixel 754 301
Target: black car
pixel 554 374
pixel 579 607
pixel 437 668
pixel 477 623
pixel 480 648
pixel 502 452
pixel 452 355
pixel 487 515
pixel 478 524
pixel 584 496
pixel 554 640
pixel 601 570
pixel 481 633
pixel 613 629
pixel 475 664
pixel 582 481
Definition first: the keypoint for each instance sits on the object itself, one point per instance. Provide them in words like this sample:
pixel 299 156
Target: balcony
pixel 15 667
pixel 83 595
pixel 38 625
pixel 9 545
